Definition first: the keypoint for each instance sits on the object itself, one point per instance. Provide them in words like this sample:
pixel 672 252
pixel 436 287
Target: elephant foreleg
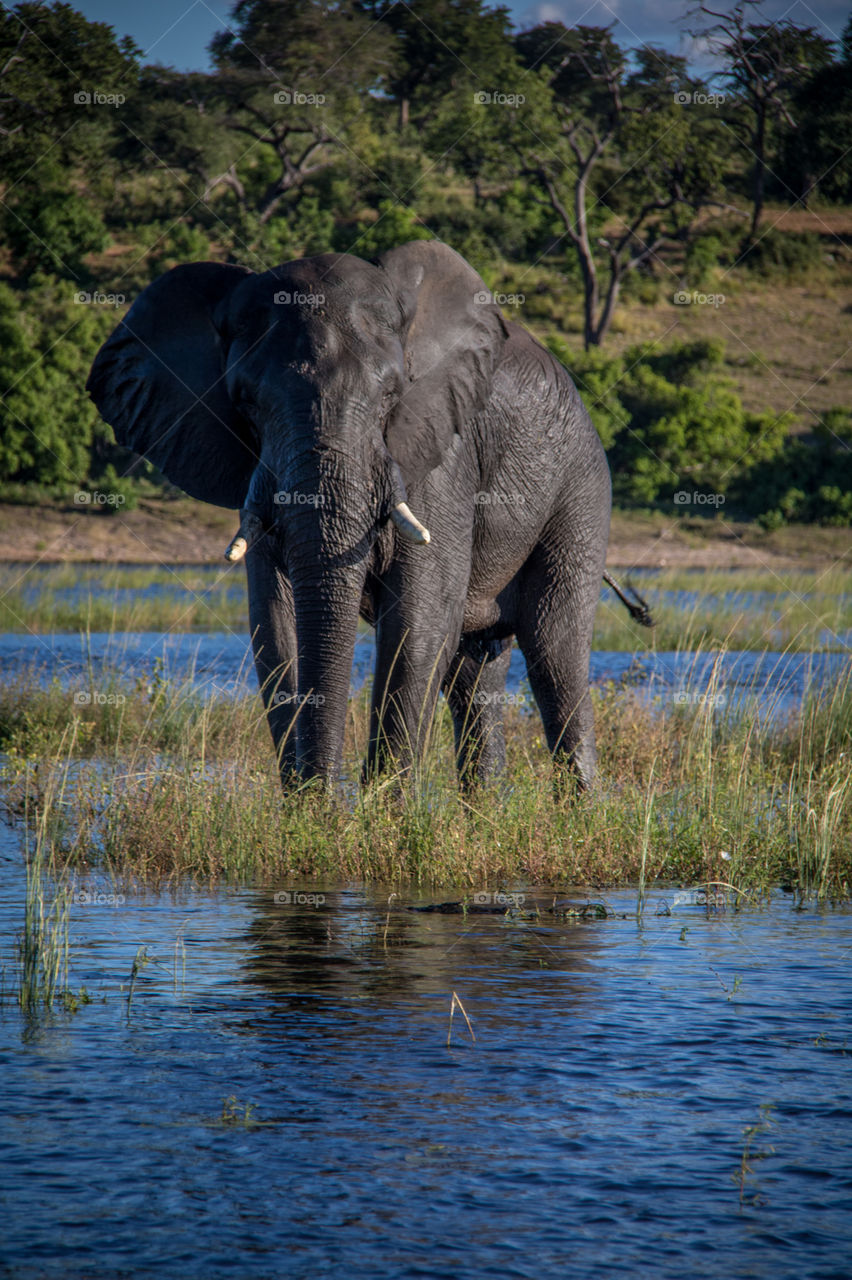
pixel 417 634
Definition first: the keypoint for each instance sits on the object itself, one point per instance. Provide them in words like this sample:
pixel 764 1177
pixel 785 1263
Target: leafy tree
pixel 765 64
pixel 290 76
pixel 623 166
pixel 175 124
pixel 817 154
pixel 48 424
pixel 54 67
pixel 442 44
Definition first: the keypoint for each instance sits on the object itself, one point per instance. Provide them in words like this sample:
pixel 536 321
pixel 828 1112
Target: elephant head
pixel 313 398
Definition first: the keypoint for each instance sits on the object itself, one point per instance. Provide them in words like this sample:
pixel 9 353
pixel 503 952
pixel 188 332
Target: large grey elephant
pixel 396 450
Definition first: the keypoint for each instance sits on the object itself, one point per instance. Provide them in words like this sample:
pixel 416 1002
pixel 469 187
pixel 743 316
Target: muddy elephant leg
pixel 556 640
pixel 476 693
pixel 273 633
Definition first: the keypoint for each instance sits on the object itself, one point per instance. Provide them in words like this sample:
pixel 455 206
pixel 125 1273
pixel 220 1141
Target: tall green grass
pixel 170 785
pixel 43 940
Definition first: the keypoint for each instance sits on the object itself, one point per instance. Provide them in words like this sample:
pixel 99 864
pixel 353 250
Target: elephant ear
pixel 453 338
pixel 159 381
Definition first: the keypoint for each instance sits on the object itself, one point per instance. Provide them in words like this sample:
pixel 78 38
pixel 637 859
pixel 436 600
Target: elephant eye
pixel 390 395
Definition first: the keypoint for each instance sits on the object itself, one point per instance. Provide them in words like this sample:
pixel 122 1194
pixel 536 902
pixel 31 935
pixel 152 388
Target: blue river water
pixel 667 1098
pixel 220 663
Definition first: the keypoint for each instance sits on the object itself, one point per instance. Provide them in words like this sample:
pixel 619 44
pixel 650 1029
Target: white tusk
pixel 409 526
pixel 236 550
pixel 251 528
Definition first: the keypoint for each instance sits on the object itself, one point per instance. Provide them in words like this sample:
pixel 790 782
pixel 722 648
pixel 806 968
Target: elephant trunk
pixel 326 506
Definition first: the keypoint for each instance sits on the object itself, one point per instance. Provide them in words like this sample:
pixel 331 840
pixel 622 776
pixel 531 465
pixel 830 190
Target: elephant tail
pixel 639 610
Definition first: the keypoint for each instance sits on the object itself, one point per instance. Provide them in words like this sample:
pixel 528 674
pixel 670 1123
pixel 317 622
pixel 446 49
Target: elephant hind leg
pixel 556 639
pixel 476 693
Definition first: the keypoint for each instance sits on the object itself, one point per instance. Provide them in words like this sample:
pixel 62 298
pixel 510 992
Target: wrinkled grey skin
pixel 376 383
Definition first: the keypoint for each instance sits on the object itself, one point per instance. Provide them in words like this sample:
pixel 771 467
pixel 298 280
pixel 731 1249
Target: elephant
pixel 397 450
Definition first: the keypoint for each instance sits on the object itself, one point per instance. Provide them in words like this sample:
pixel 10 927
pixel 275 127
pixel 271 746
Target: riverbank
pixel 153 782
pixel 181 530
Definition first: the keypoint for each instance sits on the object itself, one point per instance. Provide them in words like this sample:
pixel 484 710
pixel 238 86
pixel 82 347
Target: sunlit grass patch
pixel 738 609
pixel 700 792
pixel 73 597
pixel 741 609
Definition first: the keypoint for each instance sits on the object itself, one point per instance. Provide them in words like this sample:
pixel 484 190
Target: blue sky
pixel 177 32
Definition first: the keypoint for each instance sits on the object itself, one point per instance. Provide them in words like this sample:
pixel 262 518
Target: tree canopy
pixel 561 160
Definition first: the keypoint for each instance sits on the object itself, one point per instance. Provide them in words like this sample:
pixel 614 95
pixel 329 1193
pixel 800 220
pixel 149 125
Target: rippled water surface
pixel 221 663
pixel 596 1126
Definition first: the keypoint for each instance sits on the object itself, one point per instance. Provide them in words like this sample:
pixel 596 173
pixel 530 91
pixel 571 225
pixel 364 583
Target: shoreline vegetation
pixel 154 785
pixel 766 607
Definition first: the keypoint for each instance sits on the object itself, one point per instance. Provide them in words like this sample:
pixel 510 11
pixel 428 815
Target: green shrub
pixel 702 260
pixel 671 422
pixel 48 424
pixel 807 481
pixel 833 505
pixel 771 520
pixel 645 287
pixel 396 225
pixel 119 487
pixel 53 231
pixel 177 244
pixel 782 254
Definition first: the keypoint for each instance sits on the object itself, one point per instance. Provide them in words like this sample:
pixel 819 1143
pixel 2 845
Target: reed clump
pixel 170 785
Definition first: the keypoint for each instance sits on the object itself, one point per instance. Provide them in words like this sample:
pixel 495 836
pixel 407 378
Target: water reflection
pixel 344 952
pixel 595 1126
